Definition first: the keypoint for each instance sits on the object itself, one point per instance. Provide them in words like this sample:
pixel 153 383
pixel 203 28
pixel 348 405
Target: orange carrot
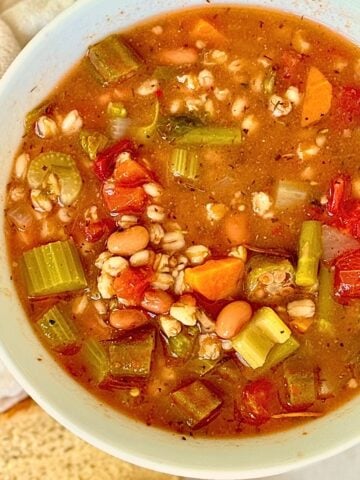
pixel 203 30
pixel 318 96
pixel 216 279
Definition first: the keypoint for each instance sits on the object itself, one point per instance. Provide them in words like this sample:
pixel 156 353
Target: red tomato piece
pixel 339 191
pixel 106 160
pixel 94 231
pixel 347 275
pixel 132 283
pixel 348 105
pixel 254 404
pixel 125 200
pixel 131 174
pixel 291 68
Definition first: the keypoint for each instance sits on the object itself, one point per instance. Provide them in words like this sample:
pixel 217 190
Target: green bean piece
pixel 310 250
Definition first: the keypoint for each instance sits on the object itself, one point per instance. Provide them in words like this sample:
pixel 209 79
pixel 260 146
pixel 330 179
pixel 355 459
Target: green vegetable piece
pixel 200 366
pixel 113 60
pixel 96 359
pixel 163 72
pixel 172 127
pixel 216 136
pixel 52 268
pixel 57 329
pixel 32 117
pixel 310 251
pixel 300 382
pixel 184 163
pixel 65 170
pixel 92 143
pixel 257 339
pixel 197 402
pixel 132 358
pixel 116 110
pixel 182 345
pixel 327 307
pixel 269 279
pixel 145 133
pixel 290 194
pixel 269 82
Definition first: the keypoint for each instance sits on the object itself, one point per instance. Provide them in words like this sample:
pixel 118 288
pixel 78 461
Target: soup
pixel 183 221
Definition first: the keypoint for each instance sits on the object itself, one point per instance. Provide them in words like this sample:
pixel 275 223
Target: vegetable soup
pixel 183 221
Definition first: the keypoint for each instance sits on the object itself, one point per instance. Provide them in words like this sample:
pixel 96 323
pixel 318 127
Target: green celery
pixel 215 136
pixel 57 329
pixel 132 358
pixel 271 325
pixel 116 110
pixel 113 60
pixel 145 133
pixel 92 143
pixel 52 268
pixel 96 359
pixel 63 167
pixel 197 402
pixel 310 251
pixel 184 163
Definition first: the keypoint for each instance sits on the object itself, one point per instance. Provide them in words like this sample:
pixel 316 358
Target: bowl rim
pixel 78 427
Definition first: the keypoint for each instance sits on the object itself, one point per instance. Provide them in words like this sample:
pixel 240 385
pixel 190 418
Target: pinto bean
pixel 157 301
pixel 232 318
pixel 127 319
pixel 129 241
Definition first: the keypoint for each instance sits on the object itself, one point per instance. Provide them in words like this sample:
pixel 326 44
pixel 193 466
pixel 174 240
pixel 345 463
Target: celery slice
pixel 184 163
pixel 271 325
pixel 112 59
pixel 96 359
pixel 145 133
pixel 253 345
pixel 132 358
pixel 116 110
pixel 92 143
pixel 63 167
pixel 310 250
pixel 57 329
pixel 197 402
pixel 217 136
pixel 52 268
pixel 290 194
pixel 269 82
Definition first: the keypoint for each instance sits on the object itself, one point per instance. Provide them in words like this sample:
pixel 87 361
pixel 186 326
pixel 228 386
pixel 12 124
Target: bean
pixel 129 241
pixel 232 318
pixel 157 301
pixel 236 229
pixel 127 319
pixel 188 299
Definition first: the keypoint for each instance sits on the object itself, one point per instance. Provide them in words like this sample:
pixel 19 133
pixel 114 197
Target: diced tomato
pixel 106 160
pixel 339 191
pixel 131 174
pixel 347 275
pixel 94 231
pixel 132 283
pixel 255 402
pixel 348 105
pixel 291 70
pixel 126 200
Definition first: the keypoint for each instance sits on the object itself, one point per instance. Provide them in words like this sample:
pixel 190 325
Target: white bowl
pixel 32 76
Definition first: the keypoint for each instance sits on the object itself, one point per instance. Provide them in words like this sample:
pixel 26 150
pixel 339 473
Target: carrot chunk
pixel 318 97
pixel 203 30
pixel 216 279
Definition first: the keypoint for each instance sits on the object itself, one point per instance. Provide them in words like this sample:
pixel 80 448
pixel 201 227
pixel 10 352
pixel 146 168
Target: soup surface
pixel 184 221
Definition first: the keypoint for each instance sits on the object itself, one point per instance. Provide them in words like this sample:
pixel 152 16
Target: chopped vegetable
pixel 269 82
pixel 197 402
pixel 310 251
pixel 96 359
pixel 113 60
pixel 52 268
pixel 336 243
pixel 145 133
pixel 172 127
pixel 58 330
pixel 116 110
pixel 181 345
pixel 200 366
pixel 216 279
pixel 269 279
pixel 318 97
pixel 205 31
pixel 132 357
pixel 348 106
pixel 64 169
pixel 347 275
pixel 217 136
pixel 131 284
pixel 131 174
pixel 300 383
pixel 255 400
pixel 92 143
pixel 340 190
pixel 290 194
pixel 33 116
pixel 326 306
pixel 184 163
pixel 125 200
pixel 255 341
pixel 164 72
pixel 105 162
